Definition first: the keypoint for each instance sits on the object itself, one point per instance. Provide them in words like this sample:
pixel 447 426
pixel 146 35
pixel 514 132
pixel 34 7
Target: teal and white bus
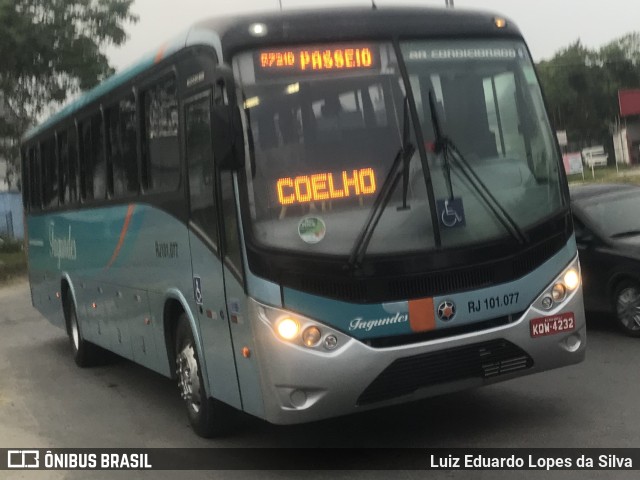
pixel 311 213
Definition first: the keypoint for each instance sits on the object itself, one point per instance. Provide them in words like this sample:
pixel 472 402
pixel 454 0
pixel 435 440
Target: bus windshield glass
pixel 326 122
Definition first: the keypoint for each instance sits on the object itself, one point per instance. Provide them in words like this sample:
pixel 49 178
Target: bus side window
pixel 122 131
pixel 200 162
pixel 63 167
pixel 100 173
pixel 74 172
pixel 86 161
pixel 161 167
pixel 231 236
pixel 34 178
pixel 49 173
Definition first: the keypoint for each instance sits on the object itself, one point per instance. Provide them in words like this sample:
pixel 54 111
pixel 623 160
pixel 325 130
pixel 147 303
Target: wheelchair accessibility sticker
pixel 450 212
pixel 197 290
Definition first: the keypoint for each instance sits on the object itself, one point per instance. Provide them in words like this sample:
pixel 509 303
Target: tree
pixel 581 86
pixel 50 50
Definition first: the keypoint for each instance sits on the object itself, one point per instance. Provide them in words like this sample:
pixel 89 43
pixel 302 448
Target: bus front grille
pixel 481 360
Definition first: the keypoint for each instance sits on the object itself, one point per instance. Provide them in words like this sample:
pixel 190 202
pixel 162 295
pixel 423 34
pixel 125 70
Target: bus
pixel 306 214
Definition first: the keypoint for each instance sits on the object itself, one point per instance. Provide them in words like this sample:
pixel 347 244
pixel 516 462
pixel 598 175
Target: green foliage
pixel 12 265
pixel 581 86
pixel 52 49
pixel 10 246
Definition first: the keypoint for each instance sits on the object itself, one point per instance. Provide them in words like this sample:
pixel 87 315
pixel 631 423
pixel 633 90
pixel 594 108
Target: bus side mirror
pixel 226 123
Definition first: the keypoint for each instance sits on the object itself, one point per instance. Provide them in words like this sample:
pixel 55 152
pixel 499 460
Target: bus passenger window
pixel 100 176
pixel 122 131
pixel 93 166
pixel 49 169
pixel 63 167
pixel 34 177
pixel 161 172
pixel 73 180
pixel 200 161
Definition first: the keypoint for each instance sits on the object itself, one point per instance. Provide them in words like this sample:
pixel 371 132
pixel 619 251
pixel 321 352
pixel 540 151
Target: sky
pixel 547 25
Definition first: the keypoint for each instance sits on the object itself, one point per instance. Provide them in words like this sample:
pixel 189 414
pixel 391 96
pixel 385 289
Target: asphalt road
pixel 47 402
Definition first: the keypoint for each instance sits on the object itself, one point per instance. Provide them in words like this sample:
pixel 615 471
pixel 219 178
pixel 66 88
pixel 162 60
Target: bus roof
pixel 229 35
pixel 345 24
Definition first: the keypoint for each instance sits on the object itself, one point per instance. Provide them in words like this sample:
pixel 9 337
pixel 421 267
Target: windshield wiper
pixel 402 159
pixel 452 155
pixel 628 233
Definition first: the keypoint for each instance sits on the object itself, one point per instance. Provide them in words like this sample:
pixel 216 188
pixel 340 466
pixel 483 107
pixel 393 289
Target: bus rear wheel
pixel 208 417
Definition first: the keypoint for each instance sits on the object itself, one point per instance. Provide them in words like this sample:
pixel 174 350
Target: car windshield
pixel 325 125
pixel 616 215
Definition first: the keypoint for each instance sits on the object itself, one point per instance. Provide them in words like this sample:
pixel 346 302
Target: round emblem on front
pixel 446 311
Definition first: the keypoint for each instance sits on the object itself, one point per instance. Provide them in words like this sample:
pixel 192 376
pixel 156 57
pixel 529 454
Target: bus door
pixel 204 237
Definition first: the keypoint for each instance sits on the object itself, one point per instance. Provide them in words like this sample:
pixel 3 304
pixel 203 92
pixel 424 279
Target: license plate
pixel 563 322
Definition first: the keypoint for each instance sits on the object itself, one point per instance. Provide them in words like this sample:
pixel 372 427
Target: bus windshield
pixel 326 124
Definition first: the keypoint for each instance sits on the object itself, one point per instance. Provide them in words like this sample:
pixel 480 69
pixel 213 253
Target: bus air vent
pixel 481 360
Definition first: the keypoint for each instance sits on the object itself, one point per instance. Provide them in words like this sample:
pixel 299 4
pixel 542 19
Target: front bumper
pixel 301 385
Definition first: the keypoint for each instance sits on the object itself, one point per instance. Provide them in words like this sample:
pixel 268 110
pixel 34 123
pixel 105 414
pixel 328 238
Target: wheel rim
pixel 628 308
pixel 75 333
pixel 188 379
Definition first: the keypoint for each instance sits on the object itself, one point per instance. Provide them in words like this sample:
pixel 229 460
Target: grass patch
pixel 12 264
pixel 624 174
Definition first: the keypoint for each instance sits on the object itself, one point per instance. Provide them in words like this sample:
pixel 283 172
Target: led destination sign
pixel 315 60
pixel 326 186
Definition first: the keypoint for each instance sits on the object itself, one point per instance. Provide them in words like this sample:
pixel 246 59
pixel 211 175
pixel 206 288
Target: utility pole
pixel 449 3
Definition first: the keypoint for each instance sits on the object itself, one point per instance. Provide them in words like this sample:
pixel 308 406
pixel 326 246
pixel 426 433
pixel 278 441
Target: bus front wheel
pixel 85 354
pixel 208 417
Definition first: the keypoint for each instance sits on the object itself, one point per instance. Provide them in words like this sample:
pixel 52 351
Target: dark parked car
pixel 607 224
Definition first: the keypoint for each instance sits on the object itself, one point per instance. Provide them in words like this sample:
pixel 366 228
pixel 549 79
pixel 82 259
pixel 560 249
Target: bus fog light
pixel 311 336
pixel 287 328
pixel 571 279
pixel 573 343
pixel 547 302
pixel 330 342
pixel 298 398
pixel 558 292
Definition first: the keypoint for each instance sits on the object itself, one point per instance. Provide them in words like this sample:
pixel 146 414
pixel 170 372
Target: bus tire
pixel 85 354
pixel 208 417
pixel 626 307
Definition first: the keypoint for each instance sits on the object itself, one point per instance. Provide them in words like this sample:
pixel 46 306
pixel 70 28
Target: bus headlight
pixel 571 279
pixel 561 288
pixel 311 336
pixel 558 292
pixel 298 330
pixel 287 328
